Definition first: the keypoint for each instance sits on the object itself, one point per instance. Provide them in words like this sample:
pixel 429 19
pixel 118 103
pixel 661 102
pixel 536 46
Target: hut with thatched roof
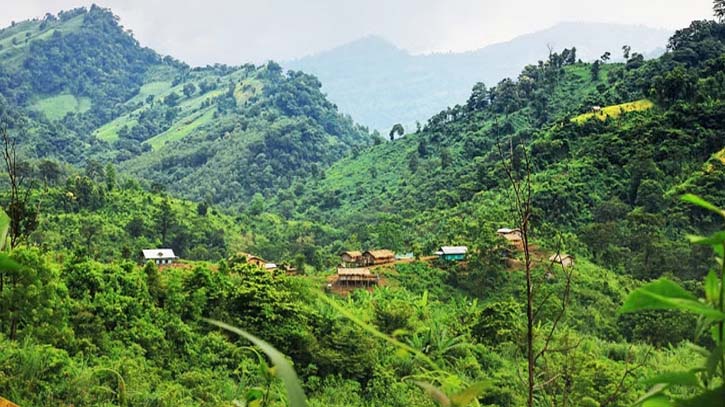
pixel 378 257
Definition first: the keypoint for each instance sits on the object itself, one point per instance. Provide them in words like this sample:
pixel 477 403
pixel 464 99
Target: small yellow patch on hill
pixel 615 110
pixel 719 156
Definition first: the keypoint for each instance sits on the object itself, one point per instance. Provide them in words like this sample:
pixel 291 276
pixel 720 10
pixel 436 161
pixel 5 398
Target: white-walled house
pixel 159 256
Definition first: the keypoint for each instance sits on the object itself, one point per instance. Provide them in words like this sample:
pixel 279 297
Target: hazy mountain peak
pixel 370 46
pixel 380 84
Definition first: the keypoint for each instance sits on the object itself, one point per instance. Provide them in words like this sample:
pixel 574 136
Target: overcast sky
pixel 237 31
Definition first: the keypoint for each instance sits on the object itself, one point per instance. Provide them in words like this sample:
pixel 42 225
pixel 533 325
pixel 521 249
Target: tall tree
pixel 626 50
pixel 165 220
pixel 596 67
pixel 110 177
pixel 22 216
pixel 397 129
pixel 719 10
pixel 50 172
pixel 518 172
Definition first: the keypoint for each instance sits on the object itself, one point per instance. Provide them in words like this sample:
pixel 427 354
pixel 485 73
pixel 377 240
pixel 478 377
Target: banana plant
pixel 708 381
pixel 282 367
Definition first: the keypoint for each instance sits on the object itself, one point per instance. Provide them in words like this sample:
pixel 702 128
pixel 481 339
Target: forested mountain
pixel 380 84
pixel 88 90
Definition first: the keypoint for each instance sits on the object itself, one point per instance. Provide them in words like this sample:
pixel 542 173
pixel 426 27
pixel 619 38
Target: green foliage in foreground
pixel 90 333
pixel 708 380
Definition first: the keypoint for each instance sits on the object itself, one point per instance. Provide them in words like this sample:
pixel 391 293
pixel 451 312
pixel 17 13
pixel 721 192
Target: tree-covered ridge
pixel 264 132
pixel 83 88
pixel 84 53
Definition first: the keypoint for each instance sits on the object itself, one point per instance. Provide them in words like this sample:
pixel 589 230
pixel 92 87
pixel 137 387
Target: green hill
pixel 87 90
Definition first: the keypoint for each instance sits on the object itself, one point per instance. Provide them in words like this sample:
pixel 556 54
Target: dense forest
pixel 109 148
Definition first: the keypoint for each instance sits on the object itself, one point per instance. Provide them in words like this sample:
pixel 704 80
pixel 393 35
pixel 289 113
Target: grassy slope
pixel 192 114
pixel 183 128
pixel 56 107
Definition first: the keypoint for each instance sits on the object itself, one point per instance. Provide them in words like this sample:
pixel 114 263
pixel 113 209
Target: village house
pixel 452 253
pixel 255 260
pixel 513 236
pixel 377 257
pixel 159 256
pixel 356 277
pixel 565 260
pixel 351 258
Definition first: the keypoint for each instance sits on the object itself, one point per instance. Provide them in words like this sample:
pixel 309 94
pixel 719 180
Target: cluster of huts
pixel 166 257
pixel 516 238
pixel 354 269
pixel 367 258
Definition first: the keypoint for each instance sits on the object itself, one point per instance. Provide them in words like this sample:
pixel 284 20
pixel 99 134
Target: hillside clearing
pixel 56 107
pixel 615 110
pixel 181 129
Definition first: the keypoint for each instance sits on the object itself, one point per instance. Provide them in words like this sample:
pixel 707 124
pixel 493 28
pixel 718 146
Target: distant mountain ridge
pixel 379 84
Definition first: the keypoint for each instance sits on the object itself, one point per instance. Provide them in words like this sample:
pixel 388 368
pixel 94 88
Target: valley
pixel 550 240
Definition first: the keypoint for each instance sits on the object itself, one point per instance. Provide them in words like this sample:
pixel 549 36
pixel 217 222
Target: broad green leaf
pixel 435 393
pixel 696 200
pixel 8 264
pixel 710 398
pixel 712 287
pixel 465 397
pixel 399 332
pixel 255 393
pixel 657 401
pixel 424 299
pixel 665 294
pixel 715 240
pixel 698 349
pixel 654 393
pixel 688 379
pixel 284 369
pixel 713 360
